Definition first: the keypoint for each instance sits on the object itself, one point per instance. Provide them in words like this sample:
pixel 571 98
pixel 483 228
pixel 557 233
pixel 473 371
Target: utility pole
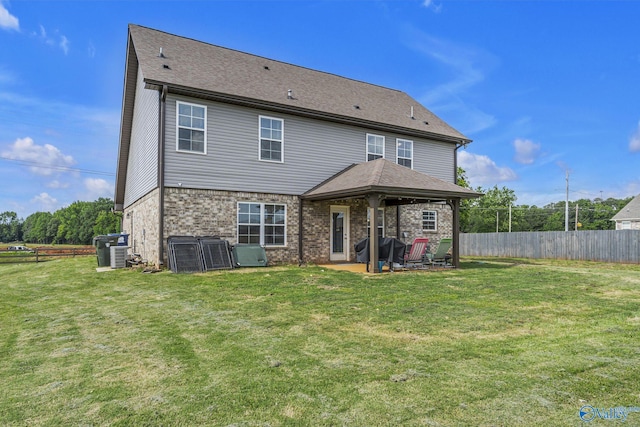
pixel 566 205
pixel 509 218
pixel 576 217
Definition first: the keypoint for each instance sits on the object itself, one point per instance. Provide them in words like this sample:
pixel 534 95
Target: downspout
pixel 398 232
pixel 300 232
pixel 161 138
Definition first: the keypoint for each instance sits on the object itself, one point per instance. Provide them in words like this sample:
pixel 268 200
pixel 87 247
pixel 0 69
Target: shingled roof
pixel 630 212
pixel 385 177
pixel 201 69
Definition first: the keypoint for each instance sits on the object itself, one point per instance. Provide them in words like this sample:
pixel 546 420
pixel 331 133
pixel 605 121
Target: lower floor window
pixel 429 220
pixel 262 223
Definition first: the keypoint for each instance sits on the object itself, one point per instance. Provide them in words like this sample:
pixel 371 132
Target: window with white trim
pixel 191 127
pixel 430 220
pixel 262 223
pixel 271 139
pixel 404 152
pixel 375 147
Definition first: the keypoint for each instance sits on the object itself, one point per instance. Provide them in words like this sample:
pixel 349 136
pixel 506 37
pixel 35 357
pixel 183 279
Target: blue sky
pixel 541 87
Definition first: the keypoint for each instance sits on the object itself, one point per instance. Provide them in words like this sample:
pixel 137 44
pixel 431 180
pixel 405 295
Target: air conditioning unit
pixel 118 256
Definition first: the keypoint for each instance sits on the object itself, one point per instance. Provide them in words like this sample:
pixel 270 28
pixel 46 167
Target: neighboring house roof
pixel 232 75
pixel 385 177
pixel 630 212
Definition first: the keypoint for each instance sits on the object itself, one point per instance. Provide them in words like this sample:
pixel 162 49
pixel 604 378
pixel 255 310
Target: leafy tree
pixel 107 222
pixel 36 228
pixel 10 227
pixel 77 223
pixel 491 210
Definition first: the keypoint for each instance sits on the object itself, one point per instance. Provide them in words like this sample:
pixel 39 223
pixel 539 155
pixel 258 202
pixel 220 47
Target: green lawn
pixel 495 343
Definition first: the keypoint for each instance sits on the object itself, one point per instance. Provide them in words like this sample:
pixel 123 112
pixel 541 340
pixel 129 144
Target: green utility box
pixel 102 245
pixel 249 256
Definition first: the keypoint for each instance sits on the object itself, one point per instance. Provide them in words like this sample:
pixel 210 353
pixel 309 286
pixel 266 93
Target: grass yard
pixel 495 343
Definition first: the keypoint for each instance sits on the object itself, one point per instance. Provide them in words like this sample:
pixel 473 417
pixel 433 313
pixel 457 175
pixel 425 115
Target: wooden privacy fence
pixel 44 254
pixel 588 245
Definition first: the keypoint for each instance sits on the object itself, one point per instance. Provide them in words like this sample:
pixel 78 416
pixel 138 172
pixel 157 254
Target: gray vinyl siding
pixel 433 158
pixel 142 169
pixel 314 150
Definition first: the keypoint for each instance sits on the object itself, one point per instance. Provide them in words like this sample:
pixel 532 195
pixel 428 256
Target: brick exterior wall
pixel 411 222
pixel 141 221
pixel 316 222
pixel 212 212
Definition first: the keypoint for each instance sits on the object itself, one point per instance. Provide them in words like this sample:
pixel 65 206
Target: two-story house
pixel 214 141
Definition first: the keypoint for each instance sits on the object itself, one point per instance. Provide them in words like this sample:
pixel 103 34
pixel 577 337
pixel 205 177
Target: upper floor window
pixel 430 220
pixel 191 127
pixel 375 147
pixel 404 152
pixel 271 139
pixel 262 223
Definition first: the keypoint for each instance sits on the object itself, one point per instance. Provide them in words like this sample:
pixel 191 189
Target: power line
pixel 54 167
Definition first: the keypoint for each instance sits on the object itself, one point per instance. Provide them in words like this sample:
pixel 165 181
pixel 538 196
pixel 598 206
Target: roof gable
pixel 193 65
pixel 384 176
pixel 630 212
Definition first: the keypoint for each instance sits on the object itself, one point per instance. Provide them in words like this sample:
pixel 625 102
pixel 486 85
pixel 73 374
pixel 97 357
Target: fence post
pixel 37 255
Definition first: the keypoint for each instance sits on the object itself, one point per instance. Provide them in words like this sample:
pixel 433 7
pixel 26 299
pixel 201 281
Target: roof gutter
pixel 455 159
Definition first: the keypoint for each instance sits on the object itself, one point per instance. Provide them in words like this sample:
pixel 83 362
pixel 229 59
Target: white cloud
pixel 430 4
pixel 44 202
pixel 57 40
pixel 42 159
pixel 91 50
pixel 7 20
pixel 526 151
pixel 64 44
pixel 481 170
pixel 57 184
pixel 634 142
pixel 98 187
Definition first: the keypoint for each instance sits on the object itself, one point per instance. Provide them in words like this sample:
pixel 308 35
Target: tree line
pixel 497 211
pixel 77 223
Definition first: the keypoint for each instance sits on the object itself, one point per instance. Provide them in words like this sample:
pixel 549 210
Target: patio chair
pixel 417 255
pixel 442 255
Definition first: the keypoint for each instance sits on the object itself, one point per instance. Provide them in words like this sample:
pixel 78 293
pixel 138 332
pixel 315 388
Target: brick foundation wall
pixel 214 213
pixel 141 221
pixel 411 222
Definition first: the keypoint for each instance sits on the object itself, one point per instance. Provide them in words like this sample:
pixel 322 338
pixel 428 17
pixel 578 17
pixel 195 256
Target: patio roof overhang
pixel 395 183
pixel 386 183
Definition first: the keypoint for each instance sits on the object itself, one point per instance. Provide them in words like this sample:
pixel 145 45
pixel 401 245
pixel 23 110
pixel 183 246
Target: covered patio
pixel 383 183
